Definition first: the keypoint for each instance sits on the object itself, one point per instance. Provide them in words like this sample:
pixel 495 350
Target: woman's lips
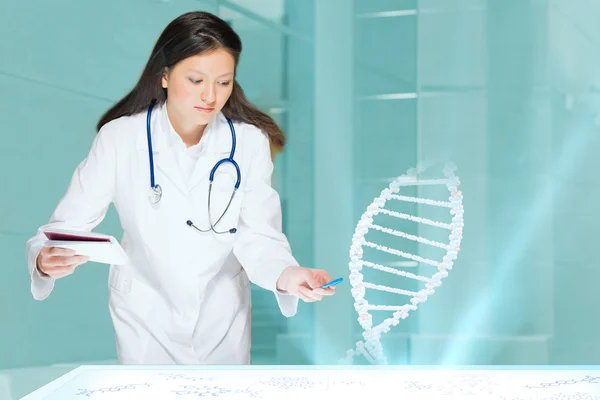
pixel 205 109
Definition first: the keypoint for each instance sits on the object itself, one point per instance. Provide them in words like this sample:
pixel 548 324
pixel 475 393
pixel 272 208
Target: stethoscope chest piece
pixel 155 194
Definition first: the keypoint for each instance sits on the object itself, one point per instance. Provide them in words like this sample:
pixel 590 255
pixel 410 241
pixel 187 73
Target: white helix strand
pixel 371 347
pixel 393 271
pixel 410 237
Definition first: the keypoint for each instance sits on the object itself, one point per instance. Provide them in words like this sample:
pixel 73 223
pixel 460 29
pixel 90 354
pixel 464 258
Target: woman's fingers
pixel 324 292
pixel 58 262
pixel 310 293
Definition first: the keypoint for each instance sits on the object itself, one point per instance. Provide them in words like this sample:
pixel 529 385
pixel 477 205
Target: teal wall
pixel 364 90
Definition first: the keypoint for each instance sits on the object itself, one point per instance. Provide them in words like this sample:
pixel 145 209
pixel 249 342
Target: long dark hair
pixel 188 35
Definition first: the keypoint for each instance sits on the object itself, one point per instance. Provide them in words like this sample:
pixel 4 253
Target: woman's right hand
pixel 58 262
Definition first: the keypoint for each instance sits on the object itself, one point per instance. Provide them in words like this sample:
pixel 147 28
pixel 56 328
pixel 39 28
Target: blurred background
pixel 364 89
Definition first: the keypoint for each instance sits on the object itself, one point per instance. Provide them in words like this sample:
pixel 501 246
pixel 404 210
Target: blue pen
pixel 332 283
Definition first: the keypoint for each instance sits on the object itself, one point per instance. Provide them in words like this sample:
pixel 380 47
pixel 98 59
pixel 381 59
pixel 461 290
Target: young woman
pixel 186 160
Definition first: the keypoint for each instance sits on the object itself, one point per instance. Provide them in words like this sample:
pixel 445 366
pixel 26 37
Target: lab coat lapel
pixel 164 158
pixel 218 147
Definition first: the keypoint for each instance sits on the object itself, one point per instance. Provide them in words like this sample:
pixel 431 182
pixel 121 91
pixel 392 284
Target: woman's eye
pixel 195 80
pixel 225 83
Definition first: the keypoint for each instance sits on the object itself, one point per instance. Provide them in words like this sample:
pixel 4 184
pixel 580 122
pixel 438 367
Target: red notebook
pixel 78 237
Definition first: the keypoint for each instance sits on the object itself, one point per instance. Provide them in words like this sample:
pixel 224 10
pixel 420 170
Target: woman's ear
pixel 165 78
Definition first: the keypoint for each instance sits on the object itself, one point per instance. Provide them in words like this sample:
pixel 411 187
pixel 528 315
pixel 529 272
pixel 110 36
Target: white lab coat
pixel 184 296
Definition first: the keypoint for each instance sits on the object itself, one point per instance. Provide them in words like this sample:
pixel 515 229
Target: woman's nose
pixel 208 96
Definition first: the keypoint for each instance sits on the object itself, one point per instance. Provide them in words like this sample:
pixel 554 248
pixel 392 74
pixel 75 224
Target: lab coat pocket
pixel 241 299
pixel 242 282
pixel 119 281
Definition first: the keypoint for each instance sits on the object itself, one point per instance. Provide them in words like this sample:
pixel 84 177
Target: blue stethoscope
pixel 156 190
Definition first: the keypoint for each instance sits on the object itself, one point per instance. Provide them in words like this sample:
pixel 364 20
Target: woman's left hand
pixel 305 283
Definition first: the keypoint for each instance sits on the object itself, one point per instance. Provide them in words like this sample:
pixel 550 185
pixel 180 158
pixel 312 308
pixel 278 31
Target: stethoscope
pixel 156 190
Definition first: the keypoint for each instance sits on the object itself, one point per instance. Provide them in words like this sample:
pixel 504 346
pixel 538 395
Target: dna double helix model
pixel 390 234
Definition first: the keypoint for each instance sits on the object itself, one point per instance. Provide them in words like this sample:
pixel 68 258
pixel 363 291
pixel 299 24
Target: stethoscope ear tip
pixel 232 230
pixel 189 223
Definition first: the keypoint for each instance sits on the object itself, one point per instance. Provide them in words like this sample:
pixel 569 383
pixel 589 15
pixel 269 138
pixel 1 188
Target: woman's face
pixel 198 87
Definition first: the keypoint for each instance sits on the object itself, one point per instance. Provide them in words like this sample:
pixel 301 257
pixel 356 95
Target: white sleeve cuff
pixel 41 285
pixel 288 303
